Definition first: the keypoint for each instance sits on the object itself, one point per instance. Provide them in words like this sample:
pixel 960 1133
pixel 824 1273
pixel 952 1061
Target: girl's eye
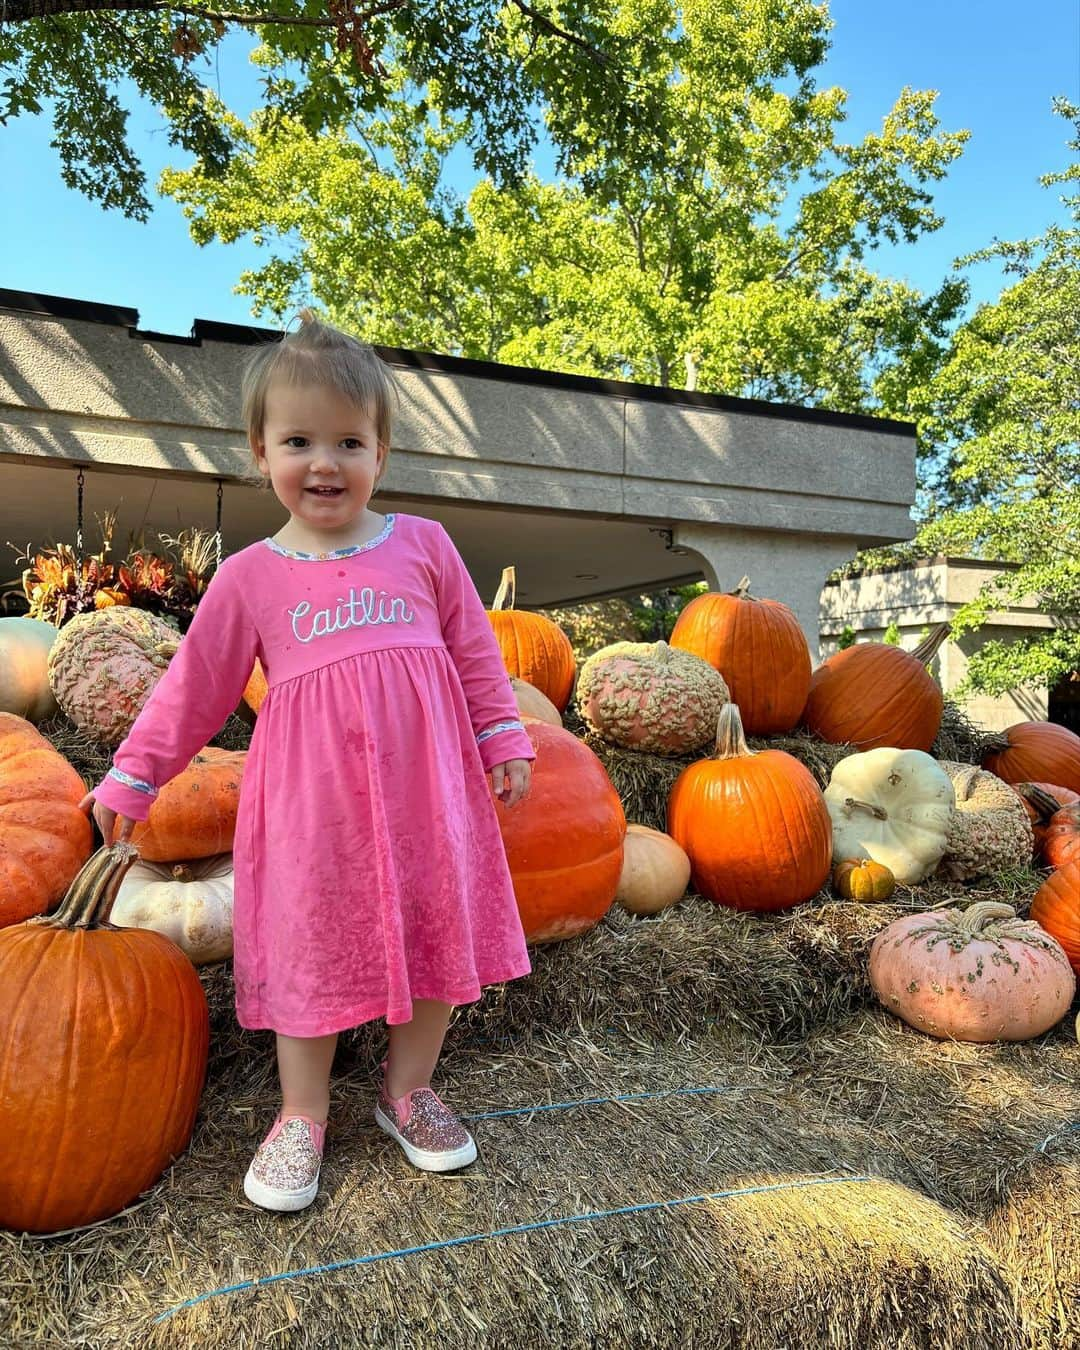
pixel 352 443
pixel 297 442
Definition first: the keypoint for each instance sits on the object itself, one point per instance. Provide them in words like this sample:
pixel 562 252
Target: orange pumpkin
pixel 564 839
pixel 1056 908
pixel 873 695
pixel 863 879
pixel 754 823
pixel 194 815
pixel 758 647
pixel 1036 751
pixel 103 1045
pixel 1061 844
pixel 533 648
pixel 1042 801
pixel 44 837
pixel 255 689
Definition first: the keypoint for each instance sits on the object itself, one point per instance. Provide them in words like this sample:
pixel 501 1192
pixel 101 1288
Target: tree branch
pixel 18 11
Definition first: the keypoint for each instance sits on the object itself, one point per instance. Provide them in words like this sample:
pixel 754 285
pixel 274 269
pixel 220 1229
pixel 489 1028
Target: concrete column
pixel 781 566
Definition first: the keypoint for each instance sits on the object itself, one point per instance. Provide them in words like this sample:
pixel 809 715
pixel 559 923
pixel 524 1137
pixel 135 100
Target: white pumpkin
pixel 24 668
pixel 895 806
pixel 190 903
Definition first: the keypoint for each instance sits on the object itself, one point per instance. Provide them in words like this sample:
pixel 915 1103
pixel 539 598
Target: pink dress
pixel 369 865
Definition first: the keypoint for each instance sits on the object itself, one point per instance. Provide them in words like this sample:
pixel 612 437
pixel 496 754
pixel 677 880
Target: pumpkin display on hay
pixel 649 696
pixel 758 646
pixel 25 644
pixel 104 1035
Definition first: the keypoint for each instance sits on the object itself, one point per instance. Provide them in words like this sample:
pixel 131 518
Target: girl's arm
pixel 472 644
pixel 189 704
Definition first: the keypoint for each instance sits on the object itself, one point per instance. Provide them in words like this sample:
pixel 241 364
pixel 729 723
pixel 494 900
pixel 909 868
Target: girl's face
pixel 321 453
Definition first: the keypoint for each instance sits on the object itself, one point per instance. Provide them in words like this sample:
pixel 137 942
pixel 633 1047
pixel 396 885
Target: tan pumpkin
pixel 104 666
pixel 532 703
pixel 533 648
pixel 651 697
pixel 981 975
pixel 190 903
pixel 989 831
pixel 24 668
pixel 194 815
pixel 44 837
pixel 655 871
pixel 863 879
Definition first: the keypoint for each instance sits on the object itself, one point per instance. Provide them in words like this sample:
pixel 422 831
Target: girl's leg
pixel 304 1068
pixel 415 1047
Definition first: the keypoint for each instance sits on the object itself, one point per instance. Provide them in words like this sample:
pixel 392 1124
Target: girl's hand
pixel 510 781
pixel 107 821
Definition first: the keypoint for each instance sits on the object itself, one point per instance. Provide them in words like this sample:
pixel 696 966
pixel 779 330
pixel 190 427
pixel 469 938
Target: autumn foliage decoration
pixel 533 648
pixel 103 1045
pixel 564 839
pixel 754 823
pixel 873 695
pixel 758 647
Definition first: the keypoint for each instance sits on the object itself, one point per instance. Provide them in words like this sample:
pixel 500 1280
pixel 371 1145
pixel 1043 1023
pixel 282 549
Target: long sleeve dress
pixel 369 865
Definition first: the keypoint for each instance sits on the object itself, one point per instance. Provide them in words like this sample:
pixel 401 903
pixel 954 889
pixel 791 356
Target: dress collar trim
pixel 335 553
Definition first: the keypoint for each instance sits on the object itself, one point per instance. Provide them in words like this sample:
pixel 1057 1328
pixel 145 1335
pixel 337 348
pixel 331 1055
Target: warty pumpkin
pixel 1056 908
pixel 1035 752
pixel 533 648
pixel 564 839
pixel 44 837
pixel 190 903
pixel 103 1046
pixel 758 647
pixel 989 830
pixel 980 975
pixel 872 695
pixel 104 666
pixel 651 697
pixel 24 668
pixel 194 815
pixel 753 823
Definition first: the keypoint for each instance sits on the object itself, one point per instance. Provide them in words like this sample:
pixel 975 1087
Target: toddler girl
pixel 370 876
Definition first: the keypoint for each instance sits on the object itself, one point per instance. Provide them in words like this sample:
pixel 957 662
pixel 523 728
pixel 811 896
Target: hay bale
pixel 960 738
pixel 857 1265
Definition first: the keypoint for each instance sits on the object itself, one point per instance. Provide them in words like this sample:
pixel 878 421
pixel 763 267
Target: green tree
pixel 1002 419
pixel 488 61
pixel 718 241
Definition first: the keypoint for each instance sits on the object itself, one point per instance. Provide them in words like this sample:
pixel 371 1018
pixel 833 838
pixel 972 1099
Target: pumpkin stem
pixel 994 742
pixel 182 872
pixel 507 586
pixel 742 590
pixel 1044 802
pixel 90 896
pixel 730 737
pixel 985 912
pixel 878 812
pixel 927 649
pixel 661 652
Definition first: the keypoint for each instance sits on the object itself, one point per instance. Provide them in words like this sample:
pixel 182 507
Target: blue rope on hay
pixel 464 1241
pixel 604 1101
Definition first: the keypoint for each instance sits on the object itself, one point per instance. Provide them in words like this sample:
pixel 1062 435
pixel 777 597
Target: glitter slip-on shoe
pixel 284 1174
pixel 431 1135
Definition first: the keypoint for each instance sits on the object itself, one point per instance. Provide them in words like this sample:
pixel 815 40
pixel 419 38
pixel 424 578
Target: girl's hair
pixel 318 353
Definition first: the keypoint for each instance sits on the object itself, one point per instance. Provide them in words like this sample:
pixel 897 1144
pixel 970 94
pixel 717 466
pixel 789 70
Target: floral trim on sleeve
pixel 136 784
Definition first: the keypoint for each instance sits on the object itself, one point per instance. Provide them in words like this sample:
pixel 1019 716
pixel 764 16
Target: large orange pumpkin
pixel 44 837
pixel 564 839
pixel 754 823
pixel 758 647
pixel 1056 908
pixel 103 1045
pixel 1036 752
pixel 194 815
pixel 873 695
pixel 533 648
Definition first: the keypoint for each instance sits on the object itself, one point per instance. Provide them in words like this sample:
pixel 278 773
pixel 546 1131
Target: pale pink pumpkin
pixel 978 975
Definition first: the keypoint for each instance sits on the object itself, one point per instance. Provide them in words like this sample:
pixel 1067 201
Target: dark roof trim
pixel 936 560
pixel 210 331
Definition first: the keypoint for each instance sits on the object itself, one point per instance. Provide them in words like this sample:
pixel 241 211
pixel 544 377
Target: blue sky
pixel 996 69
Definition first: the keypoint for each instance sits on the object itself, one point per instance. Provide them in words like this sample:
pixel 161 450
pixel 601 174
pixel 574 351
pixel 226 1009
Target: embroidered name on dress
pixel 363 608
